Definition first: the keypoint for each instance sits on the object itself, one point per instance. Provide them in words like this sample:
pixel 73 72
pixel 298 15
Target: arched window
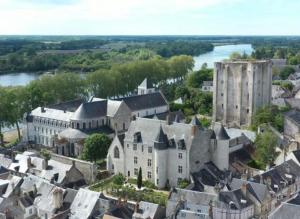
pixel 116 152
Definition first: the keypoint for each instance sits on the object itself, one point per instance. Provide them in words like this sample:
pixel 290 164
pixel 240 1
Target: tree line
pixel 120 80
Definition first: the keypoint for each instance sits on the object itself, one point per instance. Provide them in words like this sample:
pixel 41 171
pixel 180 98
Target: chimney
pixel 44 164
pixel 28 162
pixel 136 207
pixel 43 109
pixel 57 198
pixel 193 130
pixel 244 189
pixel 168 120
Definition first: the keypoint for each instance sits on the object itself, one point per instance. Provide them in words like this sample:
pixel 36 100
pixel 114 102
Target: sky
pixel 149 17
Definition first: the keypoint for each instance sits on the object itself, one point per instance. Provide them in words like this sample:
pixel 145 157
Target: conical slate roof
pixel 222 134
pixel 146 84
pixel 161 136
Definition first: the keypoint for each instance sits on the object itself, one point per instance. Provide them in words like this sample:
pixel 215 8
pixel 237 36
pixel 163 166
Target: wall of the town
pixel 88 169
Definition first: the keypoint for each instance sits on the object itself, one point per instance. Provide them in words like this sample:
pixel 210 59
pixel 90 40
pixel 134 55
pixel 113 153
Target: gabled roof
pixel 145 101
pixel 161 136
pixel 84 203
pixel 297 154
pixel 222 134
pixel 70 106
pixel 146 84
pixel 259 191
pixel 195 121
pixel 91 110
pixel 234 199
pixel 286 210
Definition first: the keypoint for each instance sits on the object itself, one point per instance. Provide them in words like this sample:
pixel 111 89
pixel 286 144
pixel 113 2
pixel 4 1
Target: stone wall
pixel 88 169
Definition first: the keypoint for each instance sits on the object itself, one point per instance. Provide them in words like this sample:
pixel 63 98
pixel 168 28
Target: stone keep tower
pixel 240 87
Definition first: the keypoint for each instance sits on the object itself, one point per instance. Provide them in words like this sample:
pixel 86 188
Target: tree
pixel 96 147
pixel 265 148
pixel 46 154
pixel 286 71
pixel 140 179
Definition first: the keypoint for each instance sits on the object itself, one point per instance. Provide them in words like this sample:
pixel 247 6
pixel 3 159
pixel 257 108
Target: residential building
pixel 207 86
pixel 240 88
pixel 192 204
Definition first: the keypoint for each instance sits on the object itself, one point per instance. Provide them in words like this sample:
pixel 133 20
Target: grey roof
pixel 176 116
pixel 4 161
pixel 234 199
pixel 146 84
pixel 146 210
pixel 222 134
pixel 70 106
pixel 286 210
pixel 295 200
pixel 91 110
pixel 293 102
pixel 150 130
pixel 293 115
pixel 84 203
pixel 297 154
pixel 70 133
pixel 112 107
pixel 26 201
pixel 259 191
pixel 145 101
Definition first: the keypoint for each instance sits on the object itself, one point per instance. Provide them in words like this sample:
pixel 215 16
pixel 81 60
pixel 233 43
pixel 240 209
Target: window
pixel 127 145
pixel 84 125
pixel 77 125
pixel 157 181
pixel 222 105
pixel 116 152
pixel 180 155
pixel 30 211
pixel 149 162
pixel 128 173
pixel 222 94
pixel 149 175
pixel 135 160
pixel 90 125
pixel 236 106
pixel 156 169
pixel 134 147
pixel 179 169
pixel 112 167
pixel 149 149
pixel 136 172
pixel 247 110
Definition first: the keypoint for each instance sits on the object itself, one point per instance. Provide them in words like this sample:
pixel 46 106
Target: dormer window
pixel 181 144
pixel 137 137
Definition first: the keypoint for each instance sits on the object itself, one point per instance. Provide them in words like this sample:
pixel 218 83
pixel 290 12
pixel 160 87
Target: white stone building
pixel 95 115
pixel 240 87
pixel 167 151
pixel 207 86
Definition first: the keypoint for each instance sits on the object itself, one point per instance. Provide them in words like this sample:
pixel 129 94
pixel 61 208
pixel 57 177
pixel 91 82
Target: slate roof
pixel 293 115
pixel 145 101
pixel 222 134
pixel 285 172
pixel 195 121
pixel 70 133
pixel 176 116
pixel 259 191
pixel 70 106
pixel 122 212
pixel 147 210
pixel 4 161
pixel 297 154
pixel 84 203
pixel 180 133
pixel 286 210
pixel 146 84
pixel 208 175
pixel 295 200
pixel 91 110
pixel 112 107
pixel 234 199
pixel 26 201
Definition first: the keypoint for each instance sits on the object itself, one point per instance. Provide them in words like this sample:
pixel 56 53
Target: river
pixel 219 53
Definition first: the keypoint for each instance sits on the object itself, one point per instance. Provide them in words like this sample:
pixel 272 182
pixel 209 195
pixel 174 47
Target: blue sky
pixel 150 17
